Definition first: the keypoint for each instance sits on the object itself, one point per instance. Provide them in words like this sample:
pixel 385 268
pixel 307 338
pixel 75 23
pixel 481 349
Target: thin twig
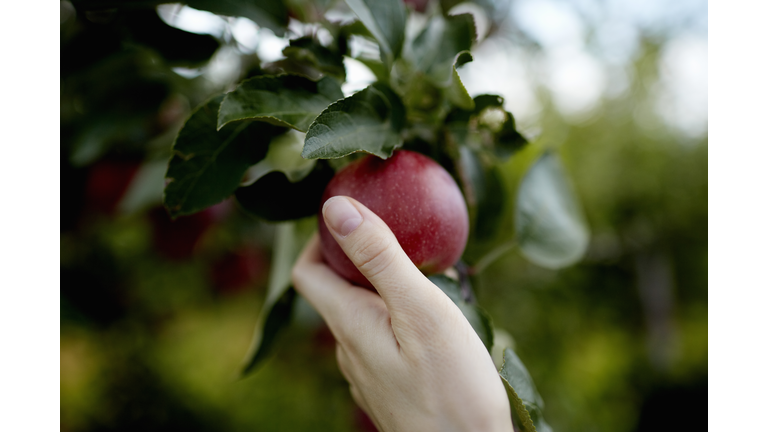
pixel 492 256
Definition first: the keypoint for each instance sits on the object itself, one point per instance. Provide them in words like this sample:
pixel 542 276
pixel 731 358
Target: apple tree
pixel 274 140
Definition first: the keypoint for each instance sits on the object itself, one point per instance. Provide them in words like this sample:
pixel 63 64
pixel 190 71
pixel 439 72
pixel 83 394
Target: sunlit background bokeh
pixel 157 317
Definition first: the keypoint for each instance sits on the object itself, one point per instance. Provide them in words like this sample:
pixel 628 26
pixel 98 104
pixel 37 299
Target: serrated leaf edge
pixel 276 120
pixel 456 79
pixel 328 109
pixel 517 401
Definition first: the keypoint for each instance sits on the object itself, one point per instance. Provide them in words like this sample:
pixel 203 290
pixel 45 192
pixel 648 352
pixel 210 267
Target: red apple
pixel 363 423
pixel 176 239
pixel 418 200
pixel 108 180
pixel 240 269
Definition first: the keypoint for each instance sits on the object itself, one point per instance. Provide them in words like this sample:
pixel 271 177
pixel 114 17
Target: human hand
pixel 413 362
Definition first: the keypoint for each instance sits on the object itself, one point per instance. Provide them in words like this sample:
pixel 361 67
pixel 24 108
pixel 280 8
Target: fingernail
pixel 341 216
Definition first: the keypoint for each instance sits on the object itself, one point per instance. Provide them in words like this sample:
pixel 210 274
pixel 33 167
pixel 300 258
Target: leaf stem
pixel 492 256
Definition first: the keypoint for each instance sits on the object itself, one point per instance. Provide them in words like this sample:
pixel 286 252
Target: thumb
pixel 374 250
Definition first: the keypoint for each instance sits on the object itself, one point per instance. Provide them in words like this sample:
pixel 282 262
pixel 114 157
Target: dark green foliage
pixel 308 50
pixel 385 20
pixel 274 198
pixel 370 120
pixel 477 317
pixel 177 47
pixel 524 397
pixel 503 139
pixel 278 317
pixel 434 51
pixel 272 14
pixel 485 194
pixel 285 100
pixel 208 164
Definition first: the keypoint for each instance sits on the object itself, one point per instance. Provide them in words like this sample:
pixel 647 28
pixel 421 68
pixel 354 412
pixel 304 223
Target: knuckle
pixel 355 327
pixel 300 279
pixel 430 325
pixel 375 255
pixel 345 328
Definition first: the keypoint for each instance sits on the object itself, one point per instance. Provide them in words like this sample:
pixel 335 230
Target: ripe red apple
pixel 416 197
pixel 246 267
pixel 176 239
pixel 108 180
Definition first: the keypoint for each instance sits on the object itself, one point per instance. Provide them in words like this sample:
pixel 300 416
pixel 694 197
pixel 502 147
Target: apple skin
pixel 415 197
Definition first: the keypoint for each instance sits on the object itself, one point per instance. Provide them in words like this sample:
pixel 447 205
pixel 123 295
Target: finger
pixel 351 313
pixel 374 250
pixel 345 366
pixel 323 289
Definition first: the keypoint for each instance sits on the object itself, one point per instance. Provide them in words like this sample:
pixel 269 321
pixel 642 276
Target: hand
pixel 412 360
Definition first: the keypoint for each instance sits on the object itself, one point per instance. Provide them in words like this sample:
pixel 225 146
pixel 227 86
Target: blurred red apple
pixel 176 239
pixel 108 180
pixel 323 340
pixel 240 269
pixel 363 423
pixel 418 200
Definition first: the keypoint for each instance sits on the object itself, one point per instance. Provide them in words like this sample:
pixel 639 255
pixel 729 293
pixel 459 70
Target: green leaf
pixel 177 47
pixel 456 91
pixel 207 165
pixel 309 11
pixel 285 100
pixel 481 103
pixel 525 400
pixel 487 101
pixel 485 193
pixel 110 4
pixel 275 198
pixel 508 140
pixel 146 188
pixel 369 120
pixel 497 125
pixel 355 27
pixel 275 315
pixel 284 155
pixel 477 317
pixel 379 70
pixel 385 19
pixel 309 50
pixel 266 13
pixel 489 6
pixel 549 225
pixel 101 133
pixel 434 51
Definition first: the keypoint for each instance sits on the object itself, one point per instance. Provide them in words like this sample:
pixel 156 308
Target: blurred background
pixel 157 316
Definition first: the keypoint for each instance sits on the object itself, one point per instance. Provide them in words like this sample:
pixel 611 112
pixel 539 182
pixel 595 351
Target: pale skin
pixel 412 360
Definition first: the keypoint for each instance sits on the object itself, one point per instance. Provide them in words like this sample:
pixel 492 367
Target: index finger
pixel 332 297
